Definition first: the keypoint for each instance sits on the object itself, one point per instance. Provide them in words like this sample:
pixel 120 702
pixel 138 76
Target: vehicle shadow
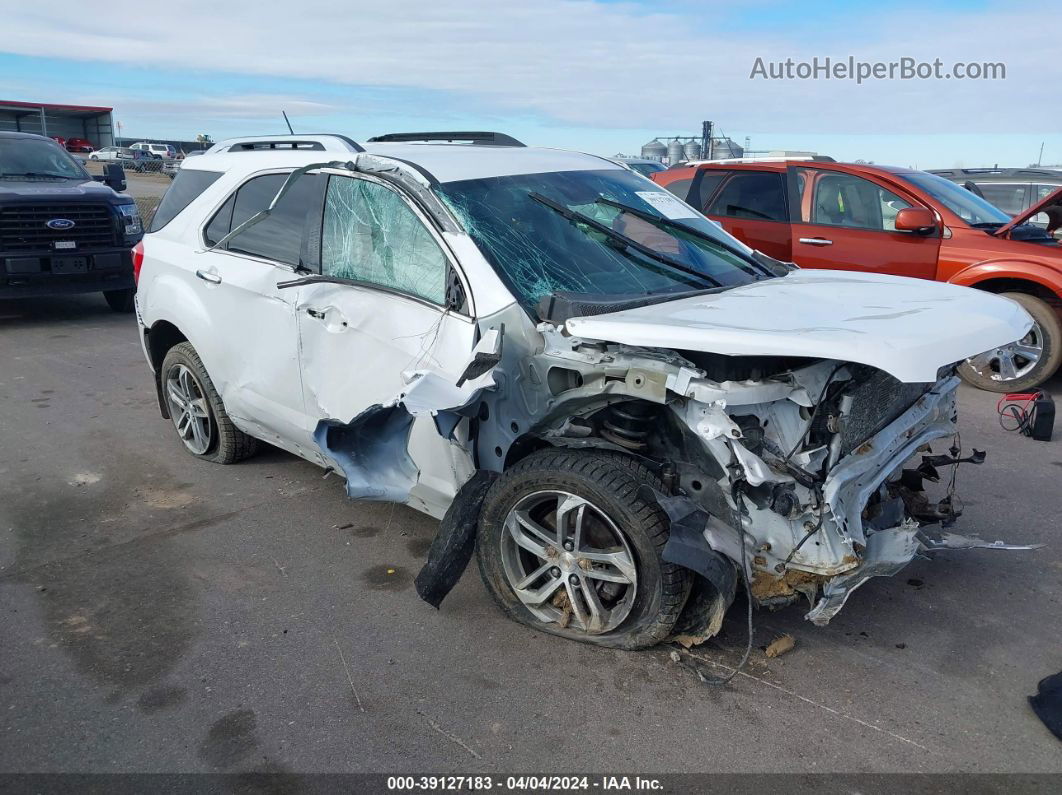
pixel 28 312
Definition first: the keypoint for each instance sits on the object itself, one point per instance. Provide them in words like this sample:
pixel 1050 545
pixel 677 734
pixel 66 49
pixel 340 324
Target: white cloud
pixel 583 63
pixel 237 108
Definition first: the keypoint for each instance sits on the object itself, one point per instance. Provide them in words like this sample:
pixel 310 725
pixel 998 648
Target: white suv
pixel 623 410
pixel 162 151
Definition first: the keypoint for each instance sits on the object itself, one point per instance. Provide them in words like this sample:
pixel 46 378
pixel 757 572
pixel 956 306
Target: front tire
pixel 1026 363
pixel 566 545
pixel 197 411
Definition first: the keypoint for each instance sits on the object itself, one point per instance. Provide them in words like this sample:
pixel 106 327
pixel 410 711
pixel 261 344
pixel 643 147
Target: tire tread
pixel 233 445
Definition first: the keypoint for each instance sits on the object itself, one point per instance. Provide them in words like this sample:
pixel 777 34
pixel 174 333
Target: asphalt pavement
pixel 164 614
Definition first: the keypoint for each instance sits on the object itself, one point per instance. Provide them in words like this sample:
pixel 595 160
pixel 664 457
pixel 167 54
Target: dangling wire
pixel 716 681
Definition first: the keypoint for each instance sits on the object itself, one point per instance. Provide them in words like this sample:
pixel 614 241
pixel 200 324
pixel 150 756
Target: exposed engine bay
pixel 805 473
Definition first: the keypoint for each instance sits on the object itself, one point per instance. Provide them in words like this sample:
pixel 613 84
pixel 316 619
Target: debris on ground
pixel 1047 703
pixel 780 646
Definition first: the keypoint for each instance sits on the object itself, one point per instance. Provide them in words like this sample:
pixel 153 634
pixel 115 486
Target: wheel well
pixel 1019 286
pixel 160 338
pixel 593 421
pixel 522 447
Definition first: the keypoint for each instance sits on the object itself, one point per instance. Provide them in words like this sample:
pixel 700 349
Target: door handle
pixel 315 313
pixel 816 241
pixel 208 276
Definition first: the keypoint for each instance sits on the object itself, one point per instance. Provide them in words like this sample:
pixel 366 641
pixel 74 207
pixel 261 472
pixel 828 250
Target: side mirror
pixel 915 219
pixel 114 176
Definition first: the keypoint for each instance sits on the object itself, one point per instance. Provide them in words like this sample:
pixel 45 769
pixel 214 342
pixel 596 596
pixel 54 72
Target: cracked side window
pixel 371 235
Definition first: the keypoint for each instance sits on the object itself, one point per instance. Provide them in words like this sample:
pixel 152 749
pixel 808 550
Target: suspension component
pixel 628 424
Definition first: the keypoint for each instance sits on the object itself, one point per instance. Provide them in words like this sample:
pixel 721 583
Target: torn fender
pixel 372 451
pixel 687 546
pixel 452 547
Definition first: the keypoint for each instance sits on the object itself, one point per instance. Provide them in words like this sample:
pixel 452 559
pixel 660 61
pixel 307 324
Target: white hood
pixel 907 327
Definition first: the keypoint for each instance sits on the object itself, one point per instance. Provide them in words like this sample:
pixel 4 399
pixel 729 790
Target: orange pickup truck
pixel 822 214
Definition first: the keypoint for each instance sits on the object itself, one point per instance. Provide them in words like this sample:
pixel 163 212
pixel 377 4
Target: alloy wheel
pixel 188 409
pixel 568 562
pixel 1013 361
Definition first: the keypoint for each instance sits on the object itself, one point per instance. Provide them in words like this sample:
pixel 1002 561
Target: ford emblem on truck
pixel 60 223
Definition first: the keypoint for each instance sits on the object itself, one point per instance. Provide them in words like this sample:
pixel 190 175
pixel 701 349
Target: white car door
pixel 386 315
pixel 255 363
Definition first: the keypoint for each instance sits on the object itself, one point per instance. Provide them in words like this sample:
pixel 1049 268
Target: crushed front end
pixel 818 468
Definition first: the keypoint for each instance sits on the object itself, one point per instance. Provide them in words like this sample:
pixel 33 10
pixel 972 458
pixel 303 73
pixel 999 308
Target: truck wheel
pixel 120 300
pixel 1023 364
pixel 566 545
pixel 197 412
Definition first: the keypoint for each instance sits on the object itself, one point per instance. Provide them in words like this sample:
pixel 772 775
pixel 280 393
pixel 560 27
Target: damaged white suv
pixel 623 411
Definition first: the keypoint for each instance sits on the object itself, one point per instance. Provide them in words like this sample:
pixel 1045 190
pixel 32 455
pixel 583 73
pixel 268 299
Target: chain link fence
pixel 145 185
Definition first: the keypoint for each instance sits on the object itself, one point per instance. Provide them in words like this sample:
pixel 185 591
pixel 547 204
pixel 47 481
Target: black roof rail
pixel 480 138
pixel 254 146
pixel 345 138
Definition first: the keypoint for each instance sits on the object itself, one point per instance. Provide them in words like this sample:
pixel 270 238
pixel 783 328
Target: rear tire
pixel 120 300
pixel 634 597
pixel 988 371
pixel 197 411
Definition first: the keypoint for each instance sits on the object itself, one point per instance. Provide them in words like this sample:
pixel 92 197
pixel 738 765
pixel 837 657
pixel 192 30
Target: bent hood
pixel 907 327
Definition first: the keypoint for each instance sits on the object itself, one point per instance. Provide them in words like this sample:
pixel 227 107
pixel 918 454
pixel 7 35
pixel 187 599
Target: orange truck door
pixel 751 205
pixel 845 222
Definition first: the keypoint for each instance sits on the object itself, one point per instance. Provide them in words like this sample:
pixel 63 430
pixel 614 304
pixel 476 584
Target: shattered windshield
pixel 569 231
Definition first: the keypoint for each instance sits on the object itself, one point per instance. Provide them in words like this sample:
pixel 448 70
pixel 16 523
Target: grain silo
pixel 654 150
pixel 674 152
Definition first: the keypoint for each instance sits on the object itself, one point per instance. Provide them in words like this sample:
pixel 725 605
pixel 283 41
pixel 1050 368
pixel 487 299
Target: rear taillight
pixel 138 260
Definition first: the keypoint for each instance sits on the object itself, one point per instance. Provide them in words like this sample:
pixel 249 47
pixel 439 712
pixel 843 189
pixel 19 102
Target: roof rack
pixel 1032 171
pixel 477 138
pixel 735 160
pixel 313 142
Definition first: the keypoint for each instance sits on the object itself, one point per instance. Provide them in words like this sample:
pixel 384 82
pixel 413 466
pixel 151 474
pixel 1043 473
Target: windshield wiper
pixel 662 221
pixel 625 243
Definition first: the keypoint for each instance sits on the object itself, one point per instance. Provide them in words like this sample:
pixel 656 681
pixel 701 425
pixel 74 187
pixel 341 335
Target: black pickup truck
pixel 61 229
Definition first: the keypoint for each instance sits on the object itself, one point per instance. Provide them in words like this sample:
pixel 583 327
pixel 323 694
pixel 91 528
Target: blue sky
pixel 598 76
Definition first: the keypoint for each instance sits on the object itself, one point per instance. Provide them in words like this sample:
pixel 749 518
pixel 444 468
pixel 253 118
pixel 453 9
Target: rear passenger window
pixel 279 236
pixel 221 223
pixel 705 188
pixel 184 189
pixel 756 195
